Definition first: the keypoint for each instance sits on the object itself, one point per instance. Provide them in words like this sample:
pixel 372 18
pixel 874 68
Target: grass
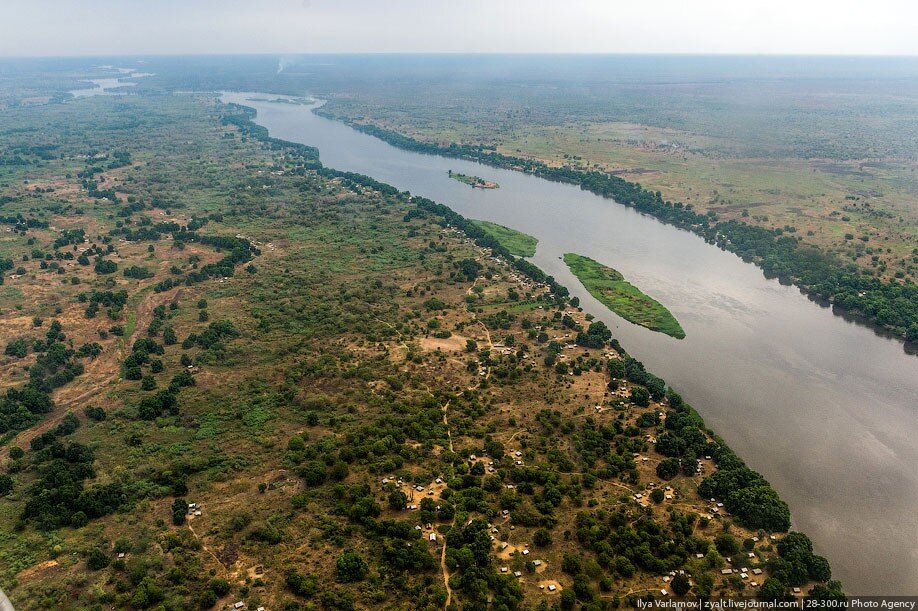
pixel 610 287
pixel 473 181
pixel 519 243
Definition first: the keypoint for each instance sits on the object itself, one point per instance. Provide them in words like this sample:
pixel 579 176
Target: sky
pixel 147 27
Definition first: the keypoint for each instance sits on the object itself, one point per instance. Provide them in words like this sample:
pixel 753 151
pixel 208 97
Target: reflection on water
pixel 824 408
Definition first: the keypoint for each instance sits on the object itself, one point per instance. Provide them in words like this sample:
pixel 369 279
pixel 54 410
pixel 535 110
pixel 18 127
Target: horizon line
pixel 471 53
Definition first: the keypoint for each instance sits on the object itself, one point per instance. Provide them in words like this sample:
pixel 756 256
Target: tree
pixel 656 495
pixel 640 396
pixel 17 348
pixel 773 589
pixel 726 544
pixel 6 485
pixel 681 585
pixel 829 591
pixel 668 468
pixel 313 473
pixel 541 538
pixel 96 559
pixel 351 567
pixel 179 509
pixel 759 507
pixel 220 587
pixel 397 500
pixel 571 564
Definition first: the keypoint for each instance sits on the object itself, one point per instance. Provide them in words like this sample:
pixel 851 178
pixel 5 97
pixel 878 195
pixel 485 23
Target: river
pixel 104 86
pixel 823 407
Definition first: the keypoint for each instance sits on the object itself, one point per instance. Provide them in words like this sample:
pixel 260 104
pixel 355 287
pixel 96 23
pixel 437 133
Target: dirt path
pixel 446 422
pixel 203 544
pixel 449 590
pixel 99 374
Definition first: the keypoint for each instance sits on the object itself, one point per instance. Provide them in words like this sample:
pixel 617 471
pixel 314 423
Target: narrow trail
pixel 446 422
pixel 108 365
pixel 203 545
pixel 449 590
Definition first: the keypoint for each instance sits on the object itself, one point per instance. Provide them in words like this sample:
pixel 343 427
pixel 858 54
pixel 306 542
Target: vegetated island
pixel 518 243
pixel 475 182
pixel 610 287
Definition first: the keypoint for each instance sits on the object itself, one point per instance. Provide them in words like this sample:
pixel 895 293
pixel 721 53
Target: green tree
pixel 681 585
pixel 668 468
pixel 541 538
pixel 96 559
pixel 351 567
pixel 640 396
pixel 179 509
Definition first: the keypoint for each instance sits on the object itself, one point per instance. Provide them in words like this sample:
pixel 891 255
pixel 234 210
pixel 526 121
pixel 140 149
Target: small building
pixel 432 537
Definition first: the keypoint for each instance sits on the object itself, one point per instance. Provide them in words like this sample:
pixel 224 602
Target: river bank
pixel 822 407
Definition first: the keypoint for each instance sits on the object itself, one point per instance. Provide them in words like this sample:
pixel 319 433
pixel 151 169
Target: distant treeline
pixel 888 304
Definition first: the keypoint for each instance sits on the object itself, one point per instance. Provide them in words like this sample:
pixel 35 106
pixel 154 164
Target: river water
pixel 824 408
pixel 104 86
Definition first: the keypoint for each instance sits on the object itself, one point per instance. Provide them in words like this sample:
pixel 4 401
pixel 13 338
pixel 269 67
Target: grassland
pixel 612 290
pixel 358 356
pixel 517 242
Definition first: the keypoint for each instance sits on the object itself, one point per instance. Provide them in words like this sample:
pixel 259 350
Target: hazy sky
pixel 99 27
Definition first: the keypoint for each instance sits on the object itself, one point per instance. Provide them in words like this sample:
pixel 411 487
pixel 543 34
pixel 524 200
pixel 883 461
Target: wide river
pixel 826 409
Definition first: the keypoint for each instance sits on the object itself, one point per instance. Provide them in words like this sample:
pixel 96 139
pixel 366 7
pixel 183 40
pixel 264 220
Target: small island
pixel 518 243
pixel 473 181
pixel 613 291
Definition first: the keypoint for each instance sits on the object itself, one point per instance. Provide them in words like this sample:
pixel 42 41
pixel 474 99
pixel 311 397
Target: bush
pixel 95 413
pixel 17 348
pixel 96 559
pixel 220 587
pixel 351 567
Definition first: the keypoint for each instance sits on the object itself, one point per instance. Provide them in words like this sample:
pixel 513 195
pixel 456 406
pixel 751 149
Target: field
pixel 517 242
pixel 612 290
pixel 231 374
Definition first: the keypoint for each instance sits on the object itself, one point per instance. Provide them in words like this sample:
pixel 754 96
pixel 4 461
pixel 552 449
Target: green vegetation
pixel 519 243
pixel 622 297
pixel 473 181
pixel 304 388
